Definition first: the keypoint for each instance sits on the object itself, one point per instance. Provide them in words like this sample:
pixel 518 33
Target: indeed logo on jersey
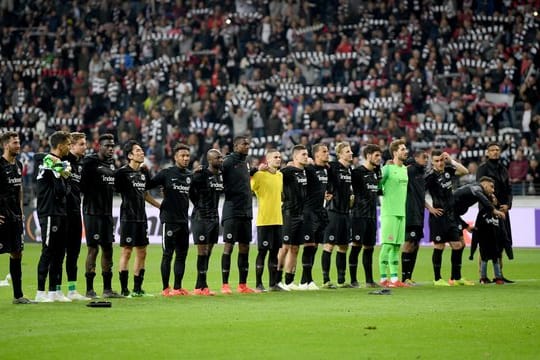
pixel 216 186
pixel 302 180
pixel 139 185
pixel 323 179
pixel 107 179
pixel 14 181
pixel 345 177
pixel 76 177
pixel 181 188
pixel 372 187
pixel 446 184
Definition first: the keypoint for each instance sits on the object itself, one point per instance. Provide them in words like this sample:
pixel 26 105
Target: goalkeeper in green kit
pixel 394 187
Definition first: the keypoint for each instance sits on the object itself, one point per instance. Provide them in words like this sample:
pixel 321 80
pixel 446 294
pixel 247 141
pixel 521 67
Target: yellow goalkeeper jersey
pixel 267 187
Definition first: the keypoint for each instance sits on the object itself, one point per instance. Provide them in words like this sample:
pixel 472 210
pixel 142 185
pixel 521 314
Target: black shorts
pixel 54 232
pixel 205 231
pixel 99 229
pixel 364 231
pixel 293 230
pixel 269 237
pixel 314 225
pixel 442 229
pixel 173 235
pixel 338 230
pixel 237 230
pixel 414 233
pixel 133 233
pixel 11 239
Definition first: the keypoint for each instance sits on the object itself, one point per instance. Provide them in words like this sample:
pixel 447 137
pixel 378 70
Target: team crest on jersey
pixel 357 237
pixel 143 177
pixel 413 233
pixel 201 237
pixel 306 237
pixel 111 167
pixel 286 238
pixel 438 238
pixel 331 237
pixel 96 236
pixel 19 171
pixel 128 239
pixel 447 175
pixel 79 168
pixel 229 236
pixel 265 243
pixel 188 180
pixel 169 233
pixel 54 228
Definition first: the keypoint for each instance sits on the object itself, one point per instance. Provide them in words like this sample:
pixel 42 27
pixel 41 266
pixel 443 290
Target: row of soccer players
pixel 306 202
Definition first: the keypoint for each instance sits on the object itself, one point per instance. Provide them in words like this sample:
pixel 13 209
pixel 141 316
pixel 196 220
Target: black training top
pixel 204 194
pixel 51 192
pixel 416 195
pixel 176 183
pixel 97 185
pixel 131 184
pixel 498 172
pixel 468 195
pixel 294 191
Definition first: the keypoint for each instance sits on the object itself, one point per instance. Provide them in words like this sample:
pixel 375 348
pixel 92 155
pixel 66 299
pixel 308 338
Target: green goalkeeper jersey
pixel 394 186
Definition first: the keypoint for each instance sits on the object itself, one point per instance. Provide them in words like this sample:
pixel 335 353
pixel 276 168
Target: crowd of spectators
pixel 442 74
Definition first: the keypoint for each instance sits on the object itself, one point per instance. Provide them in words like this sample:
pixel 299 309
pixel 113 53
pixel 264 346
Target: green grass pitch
pixel 424 322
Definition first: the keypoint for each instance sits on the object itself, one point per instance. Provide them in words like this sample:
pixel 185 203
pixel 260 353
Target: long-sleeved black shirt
pixel 468 195
pixel 294 191
pixel 365 185
pixel 51 193
pixel 97 185
pixel 237 188
pixel 495 170
pixel 416 195
pixel 204 193
pixel 317 182
pixel 10 190
pixel 176 184
pixel 339 185
pixel 131 184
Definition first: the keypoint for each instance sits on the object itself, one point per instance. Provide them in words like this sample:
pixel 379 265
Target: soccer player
pixel 97 186
pixel 11 211
pixel 394 187
pixel 51 191
pixel 315 215
pixel 443 225
pixel 204 192
pixel 503 192
pixel 74 223
pixel 131 182
pixel 365 183
pixel 175 182
pixel 268 186
pixel 294 195
pixel 414 222
pixel 337 232
pixel 487 222
pixel 237 214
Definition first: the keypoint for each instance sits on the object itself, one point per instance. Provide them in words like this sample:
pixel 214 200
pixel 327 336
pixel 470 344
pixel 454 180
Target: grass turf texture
pixel 424 322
